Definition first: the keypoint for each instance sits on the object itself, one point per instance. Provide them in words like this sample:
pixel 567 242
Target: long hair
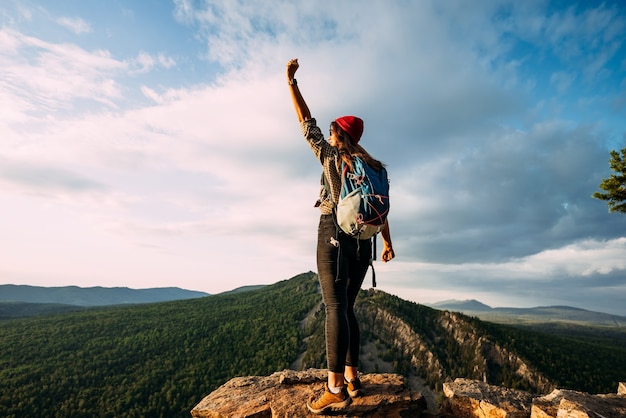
pixel 348 149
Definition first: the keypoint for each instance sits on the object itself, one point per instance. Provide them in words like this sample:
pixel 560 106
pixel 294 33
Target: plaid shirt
pixel 328 156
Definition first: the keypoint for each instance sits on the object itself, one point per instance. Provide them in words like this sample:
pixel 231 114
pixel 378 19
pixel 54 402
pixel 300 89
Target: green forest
pixel 161 359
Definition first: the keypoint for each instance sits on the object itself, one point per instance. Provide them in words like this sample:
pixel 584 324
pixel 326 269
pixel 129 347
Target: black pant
pixel 342 263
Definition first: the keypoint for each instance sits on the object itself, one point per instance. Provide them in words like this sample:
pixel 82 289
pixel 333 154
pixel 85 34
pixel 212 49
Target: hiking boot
pixel 354 387
pixel 330 402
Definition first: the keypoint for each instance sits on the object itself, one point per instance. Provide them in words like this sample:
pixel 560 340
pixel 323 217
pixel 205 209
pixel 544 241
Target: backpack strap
pixel 372 258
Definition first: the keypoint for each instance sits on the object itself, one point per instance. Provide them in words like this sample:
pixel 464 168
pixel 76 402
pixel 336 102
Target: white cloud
pixel 50 76
pixel 76 25
pixel 165 61
pixel 584 258
pixel 144 62
pixel 151 94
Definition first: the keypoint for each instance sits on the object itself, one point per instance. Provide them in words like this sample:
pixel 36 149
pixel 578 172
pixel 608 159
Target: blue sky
pixel 153 143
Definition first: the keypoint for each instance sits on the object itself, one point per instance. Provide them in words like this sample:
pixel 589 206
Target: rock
pixel 471 398
pixel 621 388
pixel 284 394
pixel 572 404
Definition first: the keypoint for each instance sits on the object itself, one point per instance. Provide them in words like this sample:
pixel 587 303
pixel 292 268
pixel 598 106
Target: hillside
pixel 11 310
pixel 92 296
pixel 160 359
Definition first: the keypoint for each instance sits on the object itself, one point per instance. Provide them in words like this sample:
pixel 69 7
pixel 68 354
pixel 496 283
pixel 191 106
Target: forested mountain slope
pixel 160 359
pixel 448 344
pixel 148 360
pixel 12 310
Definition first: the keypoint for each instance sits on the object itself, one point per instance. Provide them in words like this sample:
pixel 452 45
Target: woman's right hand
pixel 292 67
pixel 302 110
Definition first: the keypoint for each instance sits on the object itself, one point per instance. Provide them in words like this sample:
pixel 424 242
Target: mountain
pixel 244 289
pixel 93 296
pixel 462 305
pixel 554 315
pixel 160 359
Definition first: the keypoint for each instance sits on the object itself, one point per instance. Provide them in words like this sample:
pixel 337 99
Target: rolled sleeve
pixel 328 157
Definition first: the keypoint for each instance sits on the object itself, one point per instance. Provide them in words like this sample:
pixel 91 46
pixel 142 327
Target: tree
pixel 615 186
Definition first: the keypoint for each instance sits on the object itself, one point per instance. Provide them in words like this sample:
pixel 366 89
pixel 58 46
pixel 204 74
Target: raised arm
pixel 302 110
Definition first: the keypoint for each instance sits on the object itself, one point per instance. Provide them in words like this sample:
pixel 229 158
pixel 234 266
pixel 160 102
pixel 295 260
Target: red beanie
pixel 352 125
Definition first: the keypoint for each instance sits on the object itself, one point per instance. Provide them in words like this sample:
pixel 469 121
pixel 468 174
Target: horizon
pixel 155 144
pixel 430 304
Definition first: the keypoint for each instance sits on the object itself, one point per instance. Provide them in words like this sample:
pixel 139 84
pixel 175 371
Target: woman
pixel 342 260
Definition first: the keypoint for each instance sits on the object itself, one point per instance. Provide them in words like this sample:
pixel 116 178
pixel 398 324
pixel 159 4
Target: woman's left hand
pixel 388 253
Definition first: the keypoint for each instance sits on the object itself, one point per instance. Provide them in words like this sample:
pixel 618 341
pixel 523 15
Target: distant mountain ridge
pixel 93 296
pixel 463 305
pixel 543 314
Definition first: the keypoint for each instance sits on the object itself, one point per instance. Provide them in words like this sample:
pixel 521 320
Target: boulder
pixel 572 404
pixel 474 399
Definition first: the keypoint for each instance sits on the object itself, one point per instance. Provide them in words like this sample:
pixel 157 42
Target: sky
pixel 153 143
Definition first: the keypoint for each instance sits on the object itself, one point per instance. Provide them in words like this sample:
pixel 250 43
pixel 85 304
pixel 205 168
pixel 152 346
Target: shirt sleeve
pixel 328 157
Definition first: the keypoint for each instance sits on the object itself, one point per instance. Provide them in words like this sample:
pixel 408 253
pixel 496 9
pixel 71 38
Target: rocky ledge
pixel 284 394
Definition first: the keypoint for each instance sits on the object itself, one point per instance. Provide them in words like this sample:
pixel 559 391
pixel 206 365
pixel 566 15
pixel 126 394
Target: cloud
pixel 76 25
pixel 45 178
pixel 60 77
pixel 50 76
pixel 575 274
pixel 562 81
pixel 231 29
pixel 586 258
pixel 586 39
pixel 165 61
pixel 493 139
pixel 145 62
pixel 490 201
pixel 151 94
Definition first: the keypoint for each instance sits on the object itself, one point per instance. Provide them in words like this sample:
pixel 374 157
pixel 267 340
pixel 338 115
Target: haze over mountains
pixel 544 314
pixel 30 296
pixel 93 296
